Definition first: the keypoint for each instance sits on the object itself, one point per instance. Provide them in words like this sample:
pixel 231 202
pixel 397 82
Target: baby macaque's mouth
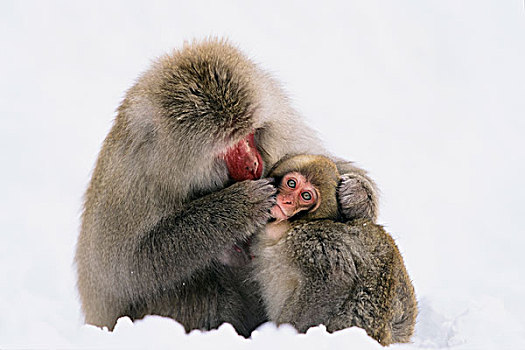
pixel 278 213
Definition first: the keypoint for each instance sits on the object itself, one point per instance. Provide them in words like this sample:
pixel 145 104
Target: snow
pixel 428 96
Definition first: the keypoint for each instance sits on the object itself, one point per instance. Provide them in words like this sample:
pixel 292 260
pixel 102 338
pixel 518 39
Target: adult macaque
pixel 313 270
pixel 176 186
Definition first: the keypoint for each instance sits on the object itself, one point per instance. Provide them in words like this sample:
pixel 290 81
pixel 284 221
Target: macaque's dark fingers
pixel 271 180
pixel 262 190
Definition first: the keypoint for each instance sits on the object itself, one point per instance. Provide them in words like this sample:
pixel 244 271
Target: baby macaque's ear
pixel 317 203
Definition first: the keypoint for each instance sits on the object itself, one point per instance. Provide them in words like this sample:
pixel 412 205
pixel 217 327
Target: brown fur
pixel 339 275
pixel 160 209
pixel 315 272
pixel 321 172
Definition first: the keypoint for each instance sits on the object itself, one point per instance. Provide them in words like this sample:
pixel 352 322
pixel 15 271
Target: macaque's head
pixel 307 187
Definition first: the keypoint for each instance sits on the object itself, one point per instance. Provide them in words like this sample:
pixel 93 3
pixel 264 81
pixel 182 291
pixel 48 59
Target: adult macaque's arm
pixel 357 193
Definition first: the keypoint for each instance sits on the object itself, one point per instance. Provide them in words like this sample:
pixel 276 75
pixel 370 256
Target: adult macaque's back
pixel 339 275
pixel 175 187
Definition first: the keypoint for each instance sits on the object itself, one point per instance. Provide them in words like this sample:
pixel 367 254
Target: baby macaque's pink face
pixel 295 194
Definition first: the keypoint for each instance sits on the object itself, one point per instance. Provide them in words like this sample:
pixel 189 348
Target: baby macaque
pixel 314 270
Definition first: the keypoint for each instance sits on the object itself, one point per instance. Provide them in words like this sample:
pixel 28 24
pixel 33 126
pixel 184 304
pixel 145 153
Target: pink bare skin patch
pixel 296 194
pixel 243 160
pixel 244 163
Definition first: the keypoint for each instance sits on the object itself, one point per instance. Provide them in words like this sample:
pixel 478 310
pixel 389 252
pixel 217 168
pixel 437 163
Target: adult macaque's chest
pixel 241 253
pixel 277 277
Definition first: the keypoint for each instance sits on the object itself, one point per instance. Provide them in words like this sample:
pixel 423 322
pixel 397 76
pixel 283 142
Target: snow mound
pixel 160 332
pixel 483 323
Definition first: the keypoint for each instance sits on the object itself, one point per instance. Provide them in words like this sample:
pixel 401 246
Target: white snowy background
pixel 429 96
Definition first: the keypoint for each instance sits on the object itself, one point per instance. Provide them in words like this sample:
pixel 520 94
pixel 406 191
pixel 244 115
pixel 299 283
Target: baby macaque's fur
pixel 313 270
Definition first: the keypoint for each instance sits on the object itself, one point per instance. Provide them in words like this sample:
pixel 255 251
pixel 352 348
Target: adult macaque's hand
pixel 357 197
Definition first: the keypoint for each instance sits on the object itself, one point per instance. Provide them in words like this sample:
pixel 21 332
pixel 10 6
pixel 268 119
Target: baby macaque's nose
pixel 287 200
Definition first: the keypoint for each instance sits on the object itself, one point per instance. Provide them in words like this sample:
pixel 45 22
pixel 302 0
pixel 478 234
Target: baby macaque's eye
pixel 306 196
pixel 291 183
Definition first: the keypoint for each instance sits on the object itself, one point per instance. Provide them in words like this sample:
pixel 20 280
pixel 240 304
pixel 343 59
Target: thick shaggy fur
pixel 160 208
pixel 339 275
